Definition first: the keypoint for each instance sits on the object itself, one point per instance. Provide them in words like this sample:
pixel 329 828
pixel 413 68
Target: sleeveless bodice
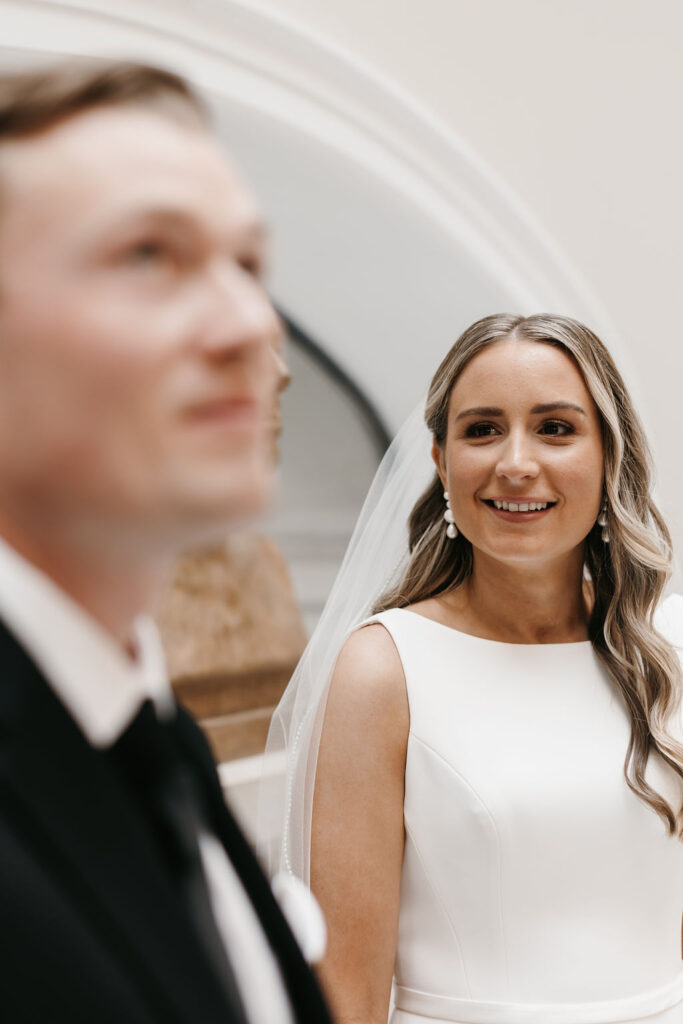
pixel 536 887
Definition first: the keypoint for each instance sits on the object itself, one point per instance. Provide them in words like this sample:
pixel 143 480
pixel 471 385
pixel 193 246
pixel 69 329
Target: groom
pixel 136 387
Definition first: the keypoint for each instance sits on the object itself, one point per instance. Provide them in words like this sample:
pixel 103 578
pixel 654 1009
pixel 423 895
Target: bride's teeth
pixel 522 506
pixel 519 506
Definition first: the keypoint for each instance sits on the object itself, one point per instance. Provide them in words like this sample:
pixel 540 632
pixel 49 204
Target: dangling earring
pixel 602 521
pixel 451 529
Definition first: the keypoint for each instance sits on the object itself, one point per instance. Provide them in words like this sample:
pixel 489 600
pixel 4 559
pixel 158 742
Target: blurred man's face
pixel 136 374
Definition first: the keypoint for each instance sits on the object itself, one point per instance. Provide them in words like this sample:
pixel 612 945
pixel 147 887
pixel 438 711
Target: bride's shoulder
pixel 370 649
pixel 368 671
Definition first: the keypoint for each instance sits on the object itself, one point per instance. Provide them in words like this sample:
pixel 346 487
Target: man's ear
pixel 439 462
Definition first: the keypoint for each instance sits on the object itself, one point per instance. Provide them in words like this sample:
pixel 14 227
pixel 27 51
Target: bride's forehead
pixel 516 367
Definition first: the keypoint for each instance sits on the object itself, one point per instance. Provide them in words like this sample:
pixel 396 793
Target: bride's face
pixel 522 460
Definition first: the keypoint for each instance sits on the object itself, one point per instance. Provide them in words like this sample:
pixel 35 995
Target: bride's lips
pixel 523 515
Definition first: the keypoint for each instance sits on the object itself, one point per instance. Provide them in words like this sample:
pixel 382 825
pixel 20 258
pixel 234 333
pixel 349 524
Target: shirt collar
pixel 100 686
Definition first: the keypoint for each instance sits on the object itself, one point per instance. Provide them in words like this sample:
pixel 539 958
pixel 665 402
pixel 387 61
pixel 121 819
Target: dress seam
pixel 499 845
pixel 441 905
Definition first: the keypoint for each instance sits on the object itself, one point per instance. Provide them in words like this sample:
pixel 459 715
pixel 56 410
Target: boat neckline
pixel 500 643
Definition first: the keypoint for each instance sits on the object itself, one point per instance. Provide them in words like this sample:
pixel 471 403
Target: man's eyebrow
pixel 253 229
pixel 491 410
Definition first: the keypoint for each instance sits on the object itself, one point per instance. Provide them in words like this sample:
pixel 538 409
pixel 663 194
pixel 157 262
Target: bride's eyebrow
pixel 480 410
pixel 490 410
pixel 554 406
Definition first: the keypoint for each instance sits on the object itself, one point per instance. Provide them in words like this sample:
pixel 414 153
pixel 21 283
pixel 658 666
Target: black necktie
pixel 167 785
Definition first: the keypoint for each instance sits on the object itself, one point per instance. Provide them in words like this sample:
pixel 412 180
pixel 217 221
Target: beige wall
pixel 577 107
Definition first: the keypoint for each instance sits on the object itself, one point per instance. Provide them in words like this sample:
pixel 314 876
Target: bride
pixel 484 748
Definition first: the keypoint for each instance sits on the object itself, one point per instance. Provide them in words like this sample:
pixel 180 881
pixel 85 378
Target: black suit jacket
pixel 91 929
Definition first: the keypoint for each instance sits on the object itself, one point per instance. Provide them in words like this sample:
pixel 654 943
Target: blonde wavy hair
pixel 628 574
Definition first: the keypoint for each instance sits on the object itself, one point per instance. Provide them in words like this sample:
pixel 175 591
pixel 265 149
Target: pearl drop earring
pixel 602 521
pixel 451 529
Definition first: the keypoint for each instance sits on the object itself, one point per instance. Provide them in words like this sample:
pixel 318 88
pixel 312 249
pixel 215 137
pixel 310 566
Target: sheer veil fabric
pixel 375 559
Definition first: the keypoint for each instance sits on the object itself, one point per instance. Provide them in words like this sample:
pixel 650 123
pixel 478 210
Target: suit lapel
pixel 304 992
pixel 97 845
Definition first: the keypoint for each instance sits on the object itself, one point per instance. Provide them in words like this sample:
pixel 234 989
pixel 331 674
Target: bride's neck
pixel 527 605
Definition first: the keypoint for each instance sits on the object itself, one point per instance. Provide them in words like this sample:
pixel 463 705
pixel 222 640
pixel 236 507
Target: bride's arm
pixel 357 834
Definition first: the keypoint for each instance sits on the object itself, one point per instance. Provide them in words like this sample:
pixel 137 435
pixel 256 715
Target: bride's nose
pixel 516 460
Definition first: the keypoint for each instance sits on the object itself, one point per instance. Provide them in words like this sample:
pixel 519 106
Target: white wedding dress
pixel 536 887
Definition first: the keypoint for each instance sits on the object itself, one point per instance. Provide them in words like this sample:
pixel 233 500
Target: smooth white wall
pixel 577 107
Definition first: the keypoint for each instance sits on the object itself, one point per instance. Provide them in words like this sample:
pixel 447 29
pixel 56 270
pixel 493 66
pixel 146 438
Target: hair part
pixel 628 574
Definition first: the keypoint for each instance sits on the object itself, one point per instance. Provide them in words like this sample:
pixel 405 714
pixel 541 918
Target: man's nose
pixel 241 321
pixel 517 460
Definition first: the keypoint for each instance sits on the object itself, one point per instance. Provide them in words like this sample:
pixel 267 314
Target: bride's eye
pixel 481 430
pixel 556 428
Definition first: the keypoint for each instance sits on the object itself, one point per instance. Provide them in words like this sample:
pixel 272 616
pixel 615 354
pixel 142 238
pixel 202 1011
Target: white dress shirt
pixel 103 689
